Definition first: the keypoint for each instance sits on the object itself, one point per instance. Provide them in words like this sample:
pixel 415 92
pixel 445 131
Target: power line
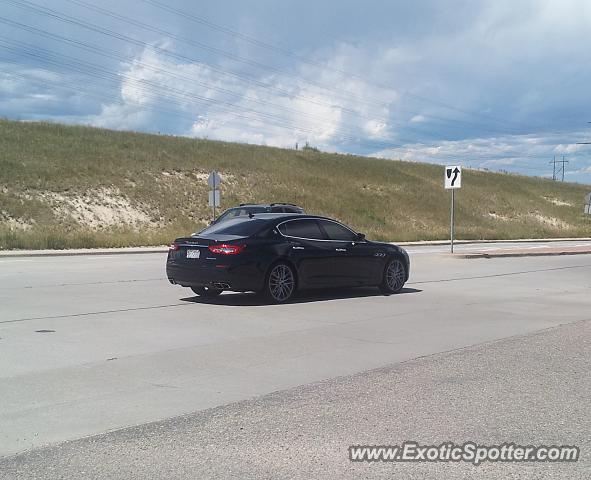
pixel 260 43
pixel 345 95
pixel 115 55
pixel 59 84
pixel 66 18
pixel 184 58
pixel 384 144
pixel 88 68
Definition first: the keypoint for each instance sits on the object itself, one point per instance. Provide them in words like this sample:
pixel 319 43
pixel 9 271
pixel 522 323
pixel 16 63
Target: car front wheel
pixel 394 277
pixel 281 283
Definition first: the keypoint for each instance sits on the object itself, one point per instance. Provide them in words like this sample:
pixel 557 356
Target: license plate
pixel 193 253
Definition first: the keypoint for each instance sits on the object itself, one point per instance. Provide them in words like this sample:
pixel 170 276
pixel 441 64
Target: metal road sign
pixel 453 177
pixel 214 198
pixel 214 180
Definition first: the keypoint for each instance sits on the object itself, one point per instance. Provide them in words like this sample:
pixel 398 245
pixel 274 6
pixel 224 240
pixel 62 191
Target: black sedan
pixel 278 254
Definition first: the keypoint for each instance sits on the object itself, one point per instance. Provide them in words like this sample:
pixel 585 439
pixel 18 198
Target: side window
pixel 302 229
pixel 337 232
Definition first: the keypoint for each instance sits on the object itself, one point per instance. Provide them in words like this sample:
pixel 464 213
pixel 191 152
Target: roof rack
pixel 283 203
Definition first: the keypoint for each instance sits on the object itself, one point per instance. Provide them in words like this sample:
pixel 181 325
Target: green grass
pixel 162 176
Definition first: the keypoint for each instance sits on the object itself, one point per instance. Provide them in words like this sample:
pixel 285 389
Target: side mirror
pixel 360 237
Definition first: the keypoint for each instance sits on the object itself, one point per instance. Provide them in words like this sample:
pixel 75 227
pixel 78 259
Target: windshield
pixel 239 212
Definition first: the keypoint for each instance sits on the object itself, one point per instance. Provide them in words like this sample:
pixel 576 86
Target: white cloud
pixel 519 153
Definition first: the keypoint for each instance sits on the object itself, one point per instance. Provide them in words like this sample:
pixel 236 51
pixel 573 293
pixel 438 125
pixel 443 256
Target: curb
pixel 518 240
pixel 78 252
pixel 470 256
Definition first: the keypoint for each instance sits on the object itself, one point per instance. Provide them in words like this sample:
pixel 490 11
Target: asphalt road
pixel 95 343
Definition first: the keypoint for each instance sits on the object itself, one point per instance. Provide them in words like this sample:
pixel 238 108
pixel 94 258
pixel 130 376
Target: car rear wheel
pixel 207 291
pixel 394 277
pixel 281 283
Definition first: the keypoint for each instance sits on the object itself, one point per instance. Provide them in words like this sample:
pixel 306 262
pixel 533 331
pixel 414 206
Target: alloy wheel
pixel 395 275
pixel 281 282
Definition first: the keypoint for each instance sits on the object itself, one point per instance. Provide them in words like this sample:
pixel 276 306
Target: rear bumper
pixel 241 278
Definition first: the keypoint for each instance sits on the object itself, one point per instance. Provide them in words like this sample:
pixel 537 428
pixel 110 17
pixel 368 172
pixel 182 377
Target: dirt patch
pixel 198 175
pixel 99 208
pixel 498 216
pixel 15 223
pixel 558 202
pixel 549 221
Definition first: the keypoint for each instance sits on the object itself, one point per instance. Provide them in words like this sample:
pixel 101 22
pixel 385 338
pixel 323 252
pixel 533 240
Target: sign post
pixel 452 179
pixel 214 180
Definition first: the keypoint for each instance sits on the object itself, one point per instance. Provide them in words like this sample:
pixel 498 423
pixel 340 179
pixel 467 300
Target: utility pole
pixel 563 161
pixel 553 163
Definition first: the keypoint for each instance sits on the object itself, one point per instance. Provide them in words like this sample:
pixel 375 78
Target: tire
pixel 394 277
pixel 207 292
pixel 280 283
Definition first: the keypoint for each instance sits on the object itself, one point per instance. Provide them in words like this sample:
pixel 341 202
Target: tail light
pixel 173 247
pixel 226 249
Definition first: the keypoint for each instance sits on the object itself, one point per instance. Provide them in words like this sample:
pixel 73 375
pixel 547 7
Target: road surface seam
pixel 94 313
pixel 498 275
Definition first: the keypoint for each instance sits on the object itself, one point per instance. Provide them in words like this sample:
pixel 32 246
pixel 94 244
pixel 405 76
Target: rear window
pixel 243 228
pixel 302 229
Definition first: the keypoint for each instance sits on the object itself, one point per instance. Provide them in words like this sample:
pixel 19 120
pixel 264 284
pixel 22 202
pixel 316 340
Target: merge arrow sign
pixel 453 177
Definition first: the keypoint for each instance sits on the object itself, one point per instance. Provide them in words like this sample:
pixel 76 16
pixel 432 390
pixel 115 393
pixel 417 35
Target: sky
pixel 501 85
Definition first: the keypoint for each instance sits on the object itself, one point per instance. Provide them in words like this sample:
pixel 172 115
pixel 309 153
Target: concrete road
pixel 529 390
pixel 94 343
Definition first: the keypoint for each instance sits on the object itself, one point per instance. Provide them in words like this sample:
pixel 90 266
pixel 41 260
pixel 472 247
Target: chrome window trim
pixel 315 239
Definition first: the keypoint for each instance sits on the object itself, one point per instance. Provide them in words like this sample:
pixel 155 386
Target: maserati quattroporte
pixel 278 254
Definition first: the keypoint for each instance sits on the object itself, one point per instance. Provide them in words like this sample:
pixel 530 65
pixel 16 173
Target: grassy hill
pixel 67 186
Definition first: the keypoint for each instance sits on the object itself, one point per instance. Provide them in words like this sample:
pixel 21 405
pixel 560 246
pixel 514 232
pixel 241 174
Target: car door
pixel 354 262
pixel 310 251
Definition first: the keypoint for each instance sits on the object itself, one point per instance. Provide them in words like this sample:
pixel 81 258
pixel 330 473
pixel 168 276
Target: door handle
pixel 297 248
pixel 340 249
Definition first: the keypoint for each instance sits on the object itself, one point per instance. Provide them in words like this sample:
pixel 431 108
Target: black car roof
pixel 266 218
pixel 278 216
pixel 276 204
